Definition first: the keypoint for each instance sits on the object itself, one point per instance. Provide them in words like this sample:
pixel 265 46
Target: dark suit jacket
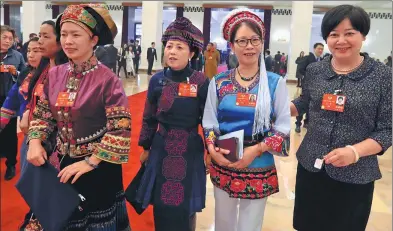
pixel 102 55
pixel 137 51
pixel 310 58
pixel 269 63
pixel 151 54
pixel 277 57
pixel 112 53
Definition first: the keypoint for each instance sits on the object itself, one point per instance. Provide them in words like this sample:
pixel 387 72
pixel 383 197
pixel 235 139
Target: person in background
pixel 283 65
pixel 112 55
pixel 151 55
pixel 16 101
pixel 175 177
pixel 137 53
pixel 130 62
pixel 17 44
pixel 268 61
pixel 11 63
pixel 233 62
pixel 338 157
pixel 52 55
pixel 298 61
pixel 313 57
pixel 241 188
pixel 24 47
pixel 389 62
pixel 212 60
pixel 87 127
pixel 102 55
pixel 122 60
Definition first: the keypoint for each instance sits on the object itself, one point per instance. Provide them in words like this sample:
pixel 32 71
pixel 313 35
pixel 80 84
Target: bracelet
pixel 355 152
pixel 87 160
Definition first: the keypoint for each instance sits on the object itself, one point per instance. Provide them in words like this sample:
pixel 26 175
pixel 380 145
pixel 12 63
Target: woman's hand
pixel 218 155
pixel 249 155
pixel 24 123
pixel 144 156
pixel 36 155
pixel 340 157
pixel 78 169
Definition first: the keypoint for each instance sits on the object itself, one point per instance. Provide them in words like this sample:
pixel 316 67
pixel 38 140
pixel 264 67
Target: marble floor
pixel 279 209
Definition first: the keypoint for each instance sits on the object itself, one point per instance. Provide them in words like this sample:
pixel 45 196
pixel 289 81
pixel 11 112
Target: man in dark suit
pixel 151 54
pixel 137 52
pixel 112 54
pixel 102 55
pixel 277 62
pixel 268 61
pixel 313 57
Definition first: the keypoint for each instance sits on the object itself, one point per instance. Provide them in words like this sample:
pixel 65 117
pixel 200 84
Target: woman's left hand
pixel 340 157
pixel 249 155
pixel 77 169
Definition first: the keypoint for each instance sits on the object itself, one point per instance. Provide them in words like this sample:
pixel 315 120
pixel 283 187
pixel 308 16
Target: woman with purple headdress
pixel 175 177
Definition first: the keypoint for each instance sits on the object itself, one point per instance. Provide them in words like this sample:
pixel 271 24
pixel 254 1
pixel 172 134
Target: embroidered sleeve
pixel 149 121
pixel 42 123
pixel 10 107
pixel 209 121
pixel 278 137
pixel 115 144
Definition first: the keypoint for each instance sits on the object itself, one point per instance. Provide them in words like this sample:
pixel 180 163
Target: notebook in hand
pixel 51 201
pixel 230 144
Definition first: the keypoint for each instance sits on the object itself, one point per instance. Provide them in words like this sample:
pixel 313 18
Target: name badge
pixel 246 100
pixel 65 99
pixel 210 57
pixel 318 163
pixel 332 102
pixel 39 90
pixel 4 68
pixel 188 90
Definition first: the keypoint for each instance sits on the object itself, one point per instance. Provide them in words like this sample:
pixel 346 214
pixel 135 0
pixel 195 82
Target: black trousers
pixel 112 66
pixel 136 63
pixel 166 221
pixel 324 204
pixel 9 140
pixel 150 66
pixel 124 65
pixel 300 118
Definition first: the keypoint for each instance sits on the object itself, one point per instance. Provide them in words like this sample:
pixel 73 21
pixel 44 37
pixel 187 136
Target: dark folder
pixel 230 144
pixel 51 201
pixel 132 191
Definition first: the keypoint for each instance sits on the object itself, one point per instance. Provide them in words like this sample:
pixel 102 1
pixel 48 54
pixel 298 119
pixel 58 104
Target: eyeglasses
pixel 244 42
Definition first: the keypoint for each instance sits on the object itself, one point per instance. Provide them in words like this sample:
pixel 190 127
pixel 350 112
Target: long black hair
pixel 25 71
pixel 60 58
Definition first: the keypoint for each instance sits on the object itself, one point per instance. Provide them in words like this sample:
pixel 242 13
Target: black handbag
pixel 132 191
pixel 51 201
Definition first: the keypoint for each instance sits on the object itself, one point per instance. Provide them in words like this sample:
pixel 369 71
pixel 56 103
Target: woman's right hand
pixel 24 123
pixel 218 155
pixel 144 156
pixel 36 155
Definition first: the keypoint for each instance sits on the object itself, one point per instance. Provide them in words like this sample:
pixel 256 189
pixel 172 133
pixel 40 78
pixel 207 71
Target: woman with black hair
pixel 338 162
pixel 86 102
pixel 52 55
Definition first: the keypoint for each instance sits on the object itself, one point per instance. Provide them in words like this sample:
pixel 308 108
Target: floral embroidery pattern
pixel 211 135
pixel 174 167
pixel 43 122
pixel 172 193
pixel 245 185
pixel 278 141
pixel 5 116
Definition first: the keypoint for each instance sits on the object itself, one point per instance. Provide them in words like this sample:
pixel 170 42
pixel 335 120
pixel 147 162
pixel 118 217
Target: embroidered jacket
pixel 99 122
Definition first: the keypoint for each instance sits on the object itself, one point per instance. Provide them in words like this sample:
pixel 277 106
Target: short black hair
pixel 318 44
pixel 359 19
pixel 278 52
pixel 268 52
pixel 153 43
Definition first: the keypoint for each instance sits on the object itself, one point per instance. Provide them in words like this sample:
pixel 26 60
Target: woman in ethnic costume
pixel 52 55
pixel 266 125
pixel 15 103
pixel 175 177
pixel 86 102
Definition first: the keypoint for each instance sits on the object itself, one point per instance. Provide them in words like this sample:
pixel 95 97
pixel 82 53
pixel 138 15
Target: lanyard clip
pixel 188 80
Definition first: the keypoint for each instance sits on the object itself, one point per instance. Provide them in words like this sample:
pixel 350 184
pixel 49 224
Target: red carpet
pixel 14 208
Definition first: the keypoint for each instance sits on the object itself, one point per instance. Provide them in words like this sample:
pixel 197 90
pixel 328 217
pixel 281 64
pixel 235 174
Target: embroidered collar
pixel 329 73
pixel 232 75
pixel 85 67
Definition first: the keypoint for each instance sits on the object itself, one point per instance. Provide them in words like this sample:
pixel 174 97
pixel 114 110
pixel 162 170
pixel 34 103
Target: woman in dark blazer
pixel 299 76
pixel 338 157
